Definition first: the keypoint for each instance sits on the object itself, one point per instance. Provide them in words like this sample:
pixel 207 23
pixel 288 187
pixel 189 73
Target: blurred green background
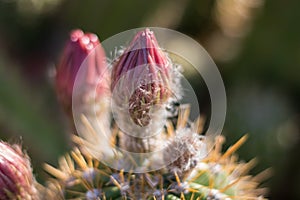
pixel 255 44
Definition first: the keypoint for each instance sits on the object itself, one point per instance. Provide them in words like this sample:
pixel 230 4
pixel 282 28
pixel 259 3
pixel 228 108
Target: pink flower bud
pixel 83 53
pixel 144 71
pixel 16 179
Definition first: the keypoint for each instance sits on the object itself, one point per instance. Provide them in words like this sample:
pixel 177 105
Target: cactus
pixel 187 165
pixel 200 170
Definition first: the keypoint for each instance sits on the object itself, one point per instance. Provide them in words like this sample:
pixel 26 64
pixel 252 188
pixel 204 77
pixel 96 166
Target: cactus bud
pixel 141 76
pixel 82 49
pixel 16 178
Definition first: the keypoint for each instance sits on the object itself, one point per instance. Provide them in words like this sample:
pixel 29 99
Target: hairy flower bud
pixel 82 54
pixel 141 76
pixel 16 179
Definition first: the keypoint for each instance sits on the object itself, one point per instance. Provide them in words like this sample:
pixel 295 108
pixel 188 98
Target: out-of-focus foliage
pixel 254 43
pixel 25 119
pixel 263 90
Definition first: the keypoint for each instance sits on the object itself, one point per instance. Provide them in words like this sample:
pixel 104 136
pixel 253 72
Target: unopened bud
pixel 141 77
pixel 16 178
pixel 82 54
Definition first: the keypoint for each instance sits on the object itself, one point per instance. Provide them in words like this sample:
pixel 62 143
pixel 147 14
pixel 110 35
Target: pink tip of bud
pixel 76 34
